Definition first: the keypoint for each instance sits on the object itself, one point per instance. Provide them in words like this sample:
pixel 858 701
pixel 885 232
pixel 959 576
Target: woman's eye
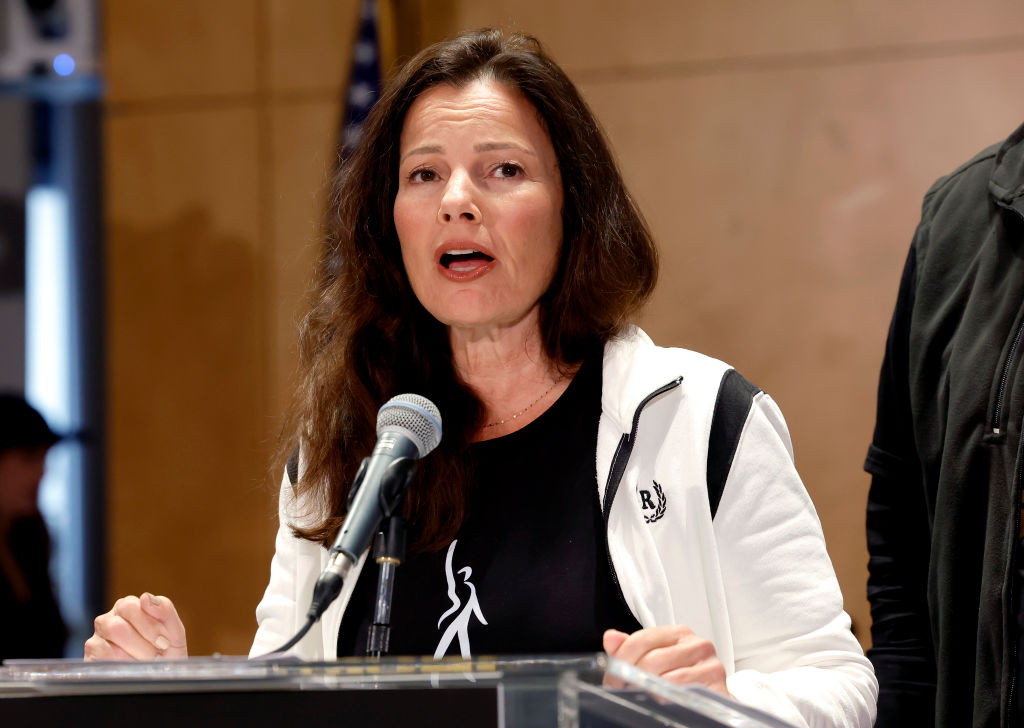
pixel 508 169
pixel 422 175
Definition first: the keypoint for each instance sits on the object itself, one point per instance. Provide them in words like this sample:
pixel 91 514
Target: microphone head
pixel 415 416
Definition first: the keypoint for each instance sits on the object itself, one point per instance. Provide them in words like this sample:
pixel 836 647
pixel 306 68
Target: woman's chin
pixel 479 323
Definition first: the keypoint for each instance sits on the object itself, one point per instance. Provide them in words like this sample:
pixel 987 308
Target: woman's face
pixel 21 470
pixel 479 205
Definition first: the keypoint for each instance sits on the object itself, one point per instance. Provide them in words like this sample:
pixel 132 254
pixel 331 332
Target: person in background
pixel 944 526
pixel 484 253
pixel 31 625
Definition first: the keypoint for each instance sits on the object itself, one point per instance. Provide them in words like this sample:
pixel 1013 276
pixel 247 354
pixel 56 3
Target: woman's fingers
pixel 113 635
pixel 97 648
pixel 171 636
pixel 138 628
pixel 707 672
pixel 612 640
pixel 642 642
pixel 688 651
pixel 673 652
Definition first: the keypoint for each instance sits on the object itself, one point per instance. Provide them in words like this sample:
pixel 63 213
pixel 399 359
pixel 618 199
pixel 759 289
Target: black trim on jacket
pixel 735 398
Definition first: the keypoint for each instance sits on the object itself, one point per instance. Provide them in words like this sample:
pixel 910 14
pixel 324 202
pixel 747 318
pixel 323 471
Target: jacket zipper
pixel 1004 378
pixel 1014 586
pixel 618 468
pixel 997 415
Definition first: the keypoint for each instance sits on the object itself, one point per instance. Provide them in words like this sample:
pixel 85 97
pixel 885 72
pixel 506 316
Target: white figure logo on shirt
pixel 459 625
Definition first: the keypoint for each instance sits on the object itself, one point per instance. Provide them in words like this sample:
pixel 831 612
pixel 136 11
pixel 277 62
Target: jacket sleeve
pixel 281 612
pixel 898 538
pixel 794 653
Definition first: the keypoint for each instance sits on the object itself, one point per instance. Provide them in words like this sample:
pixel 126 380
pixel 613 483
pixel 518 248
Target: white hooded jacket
pixel 755 578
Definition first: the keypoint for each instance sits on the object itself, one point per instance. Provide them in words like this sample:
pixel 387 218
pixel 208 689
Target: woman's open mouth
pixel 464 261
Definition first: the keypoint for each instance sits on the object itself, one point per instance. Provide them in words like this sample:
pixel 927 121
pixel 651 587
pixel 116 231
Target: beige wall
pixel 779 149
pixel 219 130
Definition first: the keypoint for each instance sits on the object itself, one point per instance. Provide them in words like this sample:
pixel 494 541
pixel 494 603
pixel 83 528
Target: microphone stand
pixel 392 489
pixel 388 552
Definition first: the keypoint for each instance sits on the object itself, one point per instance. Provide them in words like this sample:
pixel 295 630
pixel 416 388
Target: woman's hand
pixel 674 653
pixel 138 628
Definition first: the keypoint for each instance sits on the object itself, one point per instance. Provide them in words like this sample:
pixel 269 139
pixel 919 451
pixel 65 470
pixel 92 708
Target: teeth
pixel 467 251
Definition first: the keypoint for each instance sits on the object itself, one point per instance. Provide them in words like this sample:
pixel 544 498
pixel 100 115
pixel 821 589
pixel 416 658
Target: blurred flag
pixel 364 83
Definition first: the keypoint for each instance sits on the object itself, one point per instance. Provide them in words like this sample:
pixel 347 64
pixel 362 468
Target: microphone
pixel 408 427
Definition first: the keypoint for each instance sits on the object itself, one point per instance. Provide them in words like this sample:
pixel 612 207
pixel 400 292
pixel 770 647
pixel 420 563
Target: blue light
pixel 64 65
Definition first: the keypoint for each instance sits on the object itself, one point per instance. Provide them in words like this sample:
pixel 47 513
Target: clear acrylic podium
pixel 574 691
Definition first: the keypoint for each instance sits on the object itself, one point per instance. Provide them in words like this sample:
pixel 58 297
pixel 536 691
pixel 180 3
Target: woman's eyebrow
pixel 483 147
pixel 494 146
pixel 431 149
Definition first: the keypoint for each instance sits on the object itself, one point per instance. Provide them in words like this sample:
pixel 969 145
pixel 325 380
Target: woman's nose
pixel 458 201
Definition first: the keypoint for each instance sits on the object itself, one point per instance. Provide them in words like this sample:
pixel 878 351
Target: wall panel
pixel 218 130
pixel 309 43
pixel 186 367
pixel 158 50
pixel 303 138
pixel 673 36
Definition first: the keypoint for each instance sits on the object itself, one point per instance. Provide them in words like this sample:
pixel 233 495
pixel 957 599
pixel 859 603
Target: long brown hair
pixel 366 337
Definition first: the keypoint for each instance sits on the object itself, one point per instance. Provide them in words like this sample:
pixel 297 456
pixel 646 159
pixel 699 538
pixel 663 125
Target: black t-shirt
pixel 529 570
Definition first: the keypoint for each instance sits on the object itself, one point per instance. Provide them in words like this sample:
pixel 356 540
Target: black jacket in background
pixel 944 507
pixel 33 628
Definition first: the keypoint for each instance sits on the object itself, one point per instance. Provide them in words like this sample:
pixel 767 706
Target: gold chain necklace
pixel 523 410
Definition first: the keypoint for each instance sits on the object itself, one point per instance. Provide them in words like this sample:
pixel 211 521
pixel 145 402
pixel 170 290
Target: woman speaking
pixel 484 253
